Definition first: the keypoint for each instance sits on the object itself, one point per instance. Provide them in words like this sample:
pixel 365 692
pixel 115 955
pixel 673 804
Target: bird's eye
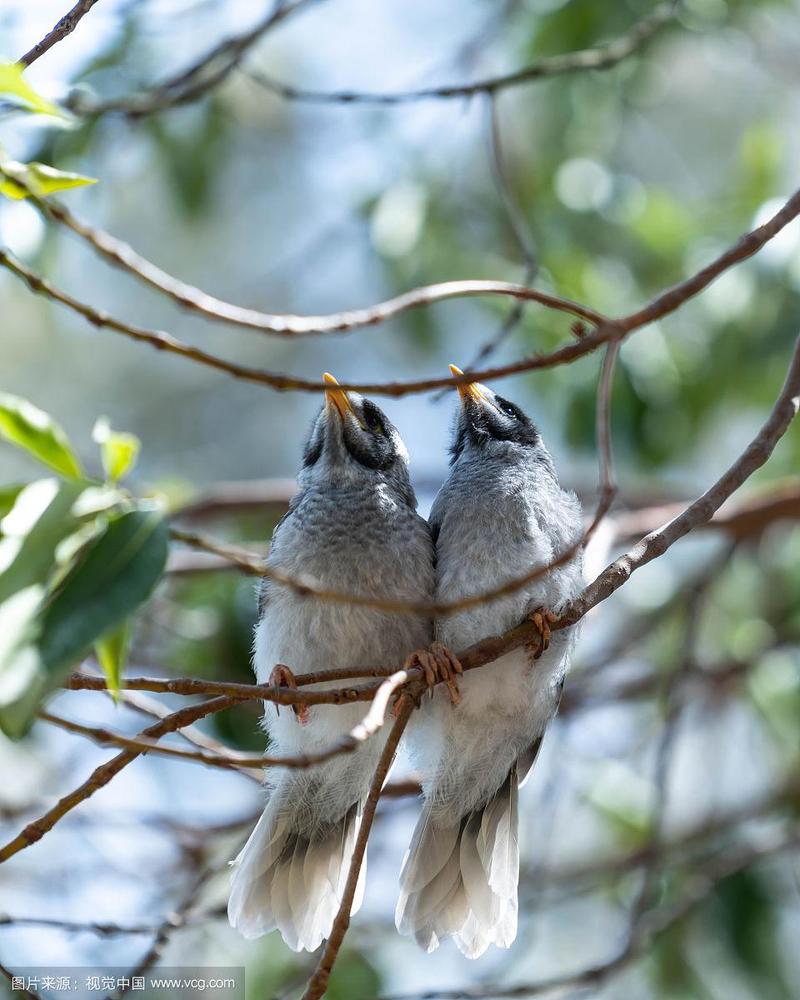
pixel 373 420
pixel 508 408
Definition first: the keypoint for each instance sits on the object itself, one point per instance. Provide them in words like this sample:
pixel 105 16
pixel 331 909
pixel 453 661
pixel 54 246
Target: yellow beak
pixel 468 390
pixel 337 397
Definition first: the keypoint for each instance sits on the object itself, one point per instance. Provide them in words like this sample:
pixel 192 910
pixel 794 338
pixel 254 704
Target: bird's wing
pixel 264 584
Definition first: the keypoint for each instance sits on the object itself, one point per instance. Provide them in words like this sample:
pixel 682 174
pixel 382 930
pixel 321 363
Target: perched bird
pixel 500 514
pixel 352 527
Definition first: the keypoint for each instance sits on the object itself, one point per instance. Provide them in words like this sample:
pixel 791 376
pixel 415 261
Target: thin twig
pixel 64 27
pixel 157 710
pixel 101 776
pixel 207 72
pixel 231 759
pixel 701 885
pixel 599 58
pixel 122 255
pixel 318 983
pixel 700 512
pixel 606 330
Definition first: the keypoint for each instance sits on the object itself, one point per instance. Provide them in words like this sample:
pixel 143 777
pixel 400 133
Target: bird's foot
pixel 542 618
pixel 438 663
pixel 282 676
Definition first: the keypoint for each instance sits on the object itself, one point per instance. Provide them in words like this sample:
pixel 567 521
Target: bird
pixel 500 513
pixel 352 527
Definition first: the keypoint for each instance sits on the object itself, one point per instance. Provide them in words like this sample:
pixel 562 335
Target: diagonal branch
pixel 207 72
pixel 600 58
pixel 101 776
pixel 122 255
pixel 67 24
pixel 371 723
pixel 319 981
pixel 606 330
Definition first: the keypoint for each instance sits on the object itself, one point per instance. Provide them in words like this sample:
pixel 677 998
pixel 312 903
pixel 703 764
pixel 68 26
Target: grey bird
pixel 500 514
pixel 352 527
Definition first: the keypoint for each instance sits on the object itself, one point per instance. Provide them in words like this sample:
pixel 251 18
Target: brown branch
pixel 600 58
pixel 206 72
pixel 521 231
pixel 67 24
pixel 606 330
pixel 746 520
pixel 101 776
pixel 122 255
pixel 303 587
pixel 156 710
pixel 232 497
pixel 231 759
pixel 701 511
pixel 701 884
pixel 318 983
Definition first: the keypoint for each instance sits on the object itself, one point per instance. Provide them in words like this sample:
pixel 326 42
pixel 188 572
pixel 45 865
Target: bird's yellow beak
pixel 337 397
pixel 468 390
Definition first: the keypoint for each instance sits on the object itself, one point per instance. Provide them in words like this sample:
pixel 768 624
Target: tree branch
pixel 606 330
pixel 701 885
pixel 600 58
pixel 102 775
pixel 230 759
pixel 67 24
pixel 318 983
pixel 208 71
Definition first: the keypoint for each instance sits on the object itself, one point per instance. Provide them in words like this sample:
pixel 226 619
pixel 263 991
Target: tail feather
pixel 292 880
pixel 460 876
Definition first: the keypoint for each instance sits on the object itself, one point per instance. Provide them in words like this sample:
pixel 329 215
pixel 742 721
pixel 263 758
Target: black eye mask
pixel 371 445
pixel 481 423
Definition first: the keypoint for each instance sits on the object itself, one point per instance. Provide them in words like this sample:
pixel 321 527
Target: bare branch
pixel 192 83
pixel 606 330
pixel 102 775
pixel 701 885
pixel 701 511
pixel 156 710
pixel 746 520
pixel 600 58
pixel 303 587
pixel 319 981
pixel 122 255
pixel 231 759
pixel 67 24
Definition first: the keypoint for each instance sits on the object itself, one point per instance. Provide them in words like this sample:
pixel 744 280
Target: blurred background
pixel 681 716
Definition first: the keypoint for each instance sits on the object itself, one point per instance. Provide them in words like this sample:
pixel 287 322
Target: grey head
pixel 354 445
pixel 489 427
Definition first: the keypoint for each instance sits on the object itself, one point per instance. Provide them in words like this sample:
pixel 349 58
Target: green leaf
pixel 16 88
pixel 112 652
pixel 22 679
pixel 119 449
pixel 39 177
pixel 42 516
pixel 116 573
pixel 32 429
pixel 8 497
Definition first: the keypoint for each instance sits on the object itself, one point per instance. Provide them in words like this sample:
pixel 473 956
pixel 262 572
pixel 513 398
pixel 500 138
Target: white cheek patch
pixel 400 447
